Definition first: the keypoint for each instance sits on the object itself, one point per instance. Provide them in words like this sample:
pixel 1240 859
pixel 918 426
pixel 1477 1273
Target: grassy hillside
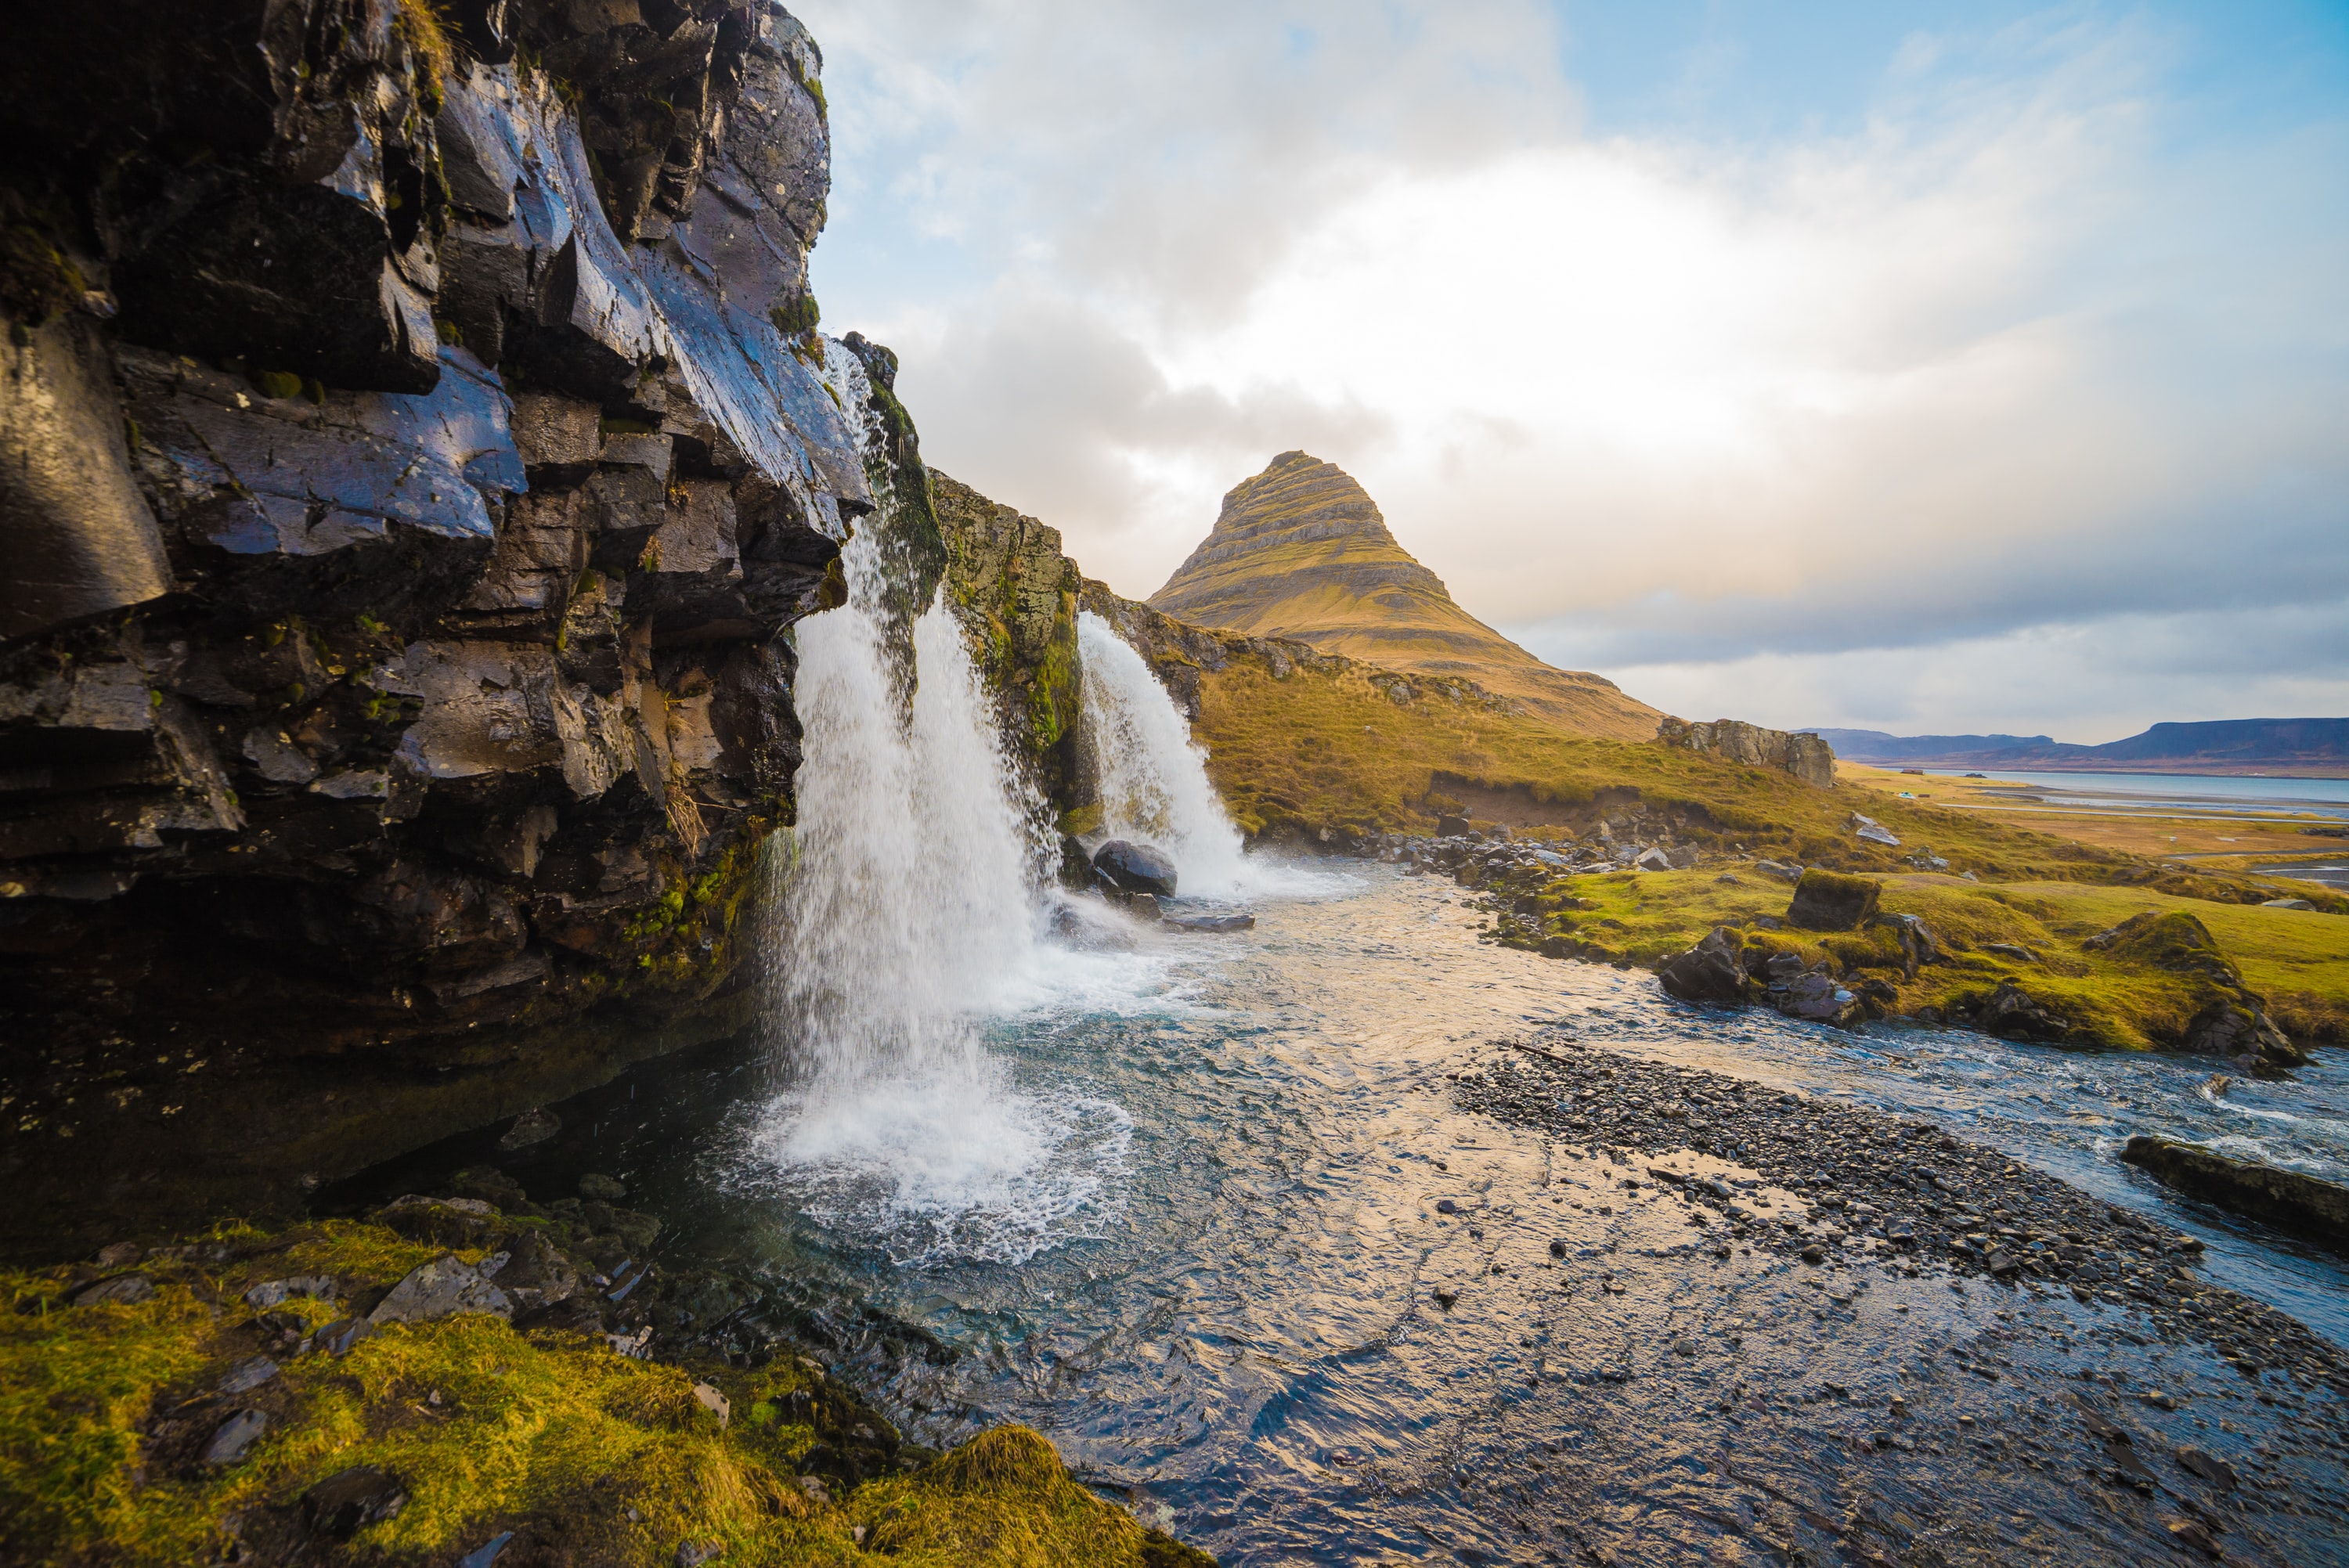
pixel 1364 752
pixel 1335 755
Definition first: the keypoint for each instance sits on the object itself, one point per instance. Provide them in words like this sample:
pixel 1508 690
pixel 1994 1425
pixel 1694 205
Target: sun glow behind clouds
pixel 2020 348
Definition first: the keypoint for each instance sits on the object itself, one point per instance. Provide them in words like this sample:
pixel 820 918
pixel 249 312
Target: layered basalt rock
pixel 1300 551
pixel 414 445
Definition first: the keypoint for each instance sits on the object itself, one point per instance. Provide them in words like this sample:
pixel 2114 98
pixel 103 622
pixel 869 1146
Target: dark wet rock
pixel 1446 1206
pixel 533 1274
pixel 1819 999
pixel 347 1502
pixel 82 539
pixel 601 1188
pixel 1830 900
pixel 2289 1200
pixel 534 1126
pixel 2208 1466
pixel 122 1290
pixel 1129 867
pixel 438 1289
pixel 447 1221
pixel 2011 1014
pixel 1712 971
pixel 338 1337
pixel 234 1436
pixel 410 474
pixel 1210 922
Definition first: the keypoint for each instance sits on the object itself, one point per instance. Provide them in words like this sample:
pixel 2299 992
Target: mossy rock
pixel 107 1407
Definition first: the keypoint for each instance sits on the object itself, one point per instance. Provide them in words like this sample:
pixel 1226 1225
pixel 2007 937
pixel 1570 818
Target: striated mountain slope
pixel 1300 551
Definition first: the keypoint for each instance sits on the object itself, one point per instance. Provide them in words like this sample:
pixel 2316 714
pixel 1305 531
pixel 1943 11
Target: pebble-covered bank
pixel 1859 1339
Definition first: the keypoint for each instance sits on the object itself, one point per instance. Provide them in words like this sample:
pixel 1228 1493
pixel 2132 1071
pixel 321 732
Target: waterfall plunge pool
pixel 1005 1154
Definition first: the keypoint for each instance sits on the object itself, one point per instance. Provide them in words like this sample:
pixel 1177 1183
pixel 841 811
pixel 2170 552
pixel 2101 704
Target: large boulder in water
pixel 1130 867
pixel 2291 1199
pixel 1122 866
pixel 1712 971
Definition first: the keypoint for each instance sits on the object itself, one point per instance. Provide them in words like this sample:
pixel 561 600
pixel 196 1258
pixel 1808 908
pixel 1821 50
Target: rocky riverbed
pixel 1858 1338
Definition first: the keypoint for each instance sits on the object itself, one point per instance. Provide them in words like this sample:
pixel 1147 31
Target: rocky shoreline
pixel 1871 1342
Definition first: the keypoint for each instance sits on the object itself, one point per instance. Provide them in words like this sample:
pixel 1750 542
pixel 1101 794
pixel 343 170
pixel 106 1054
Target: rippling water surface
pixel 1190 1231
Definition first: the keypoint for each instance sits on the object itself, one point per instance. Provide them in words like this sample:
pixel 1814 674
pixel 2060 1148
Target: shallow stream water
pixel 1188 1229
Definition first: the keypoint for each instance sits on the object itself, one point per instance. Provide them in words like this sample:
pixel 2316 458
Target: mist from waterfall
pixel 910 908
pixel 1151 775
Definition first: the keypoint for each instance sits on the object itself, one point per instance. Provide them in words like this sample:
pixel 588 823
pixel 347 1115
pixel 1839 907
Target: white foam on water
pixel 910 913
pixel 1154 781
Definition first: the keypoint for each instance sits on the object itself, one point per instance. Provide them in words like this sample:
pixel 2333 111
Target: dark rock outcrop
pixel 1712 971
pixel 1829 900
pixel 1018 593
pixel 414 443
pixel 1131 868
pixel 2289 1199
pixel 2012 1014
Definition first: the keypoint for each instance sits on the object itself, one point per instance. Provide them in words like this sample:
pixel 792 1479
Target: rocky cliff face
pixel 414 446
pixel 1806 757
pixel 1300 551
pixel 1018 594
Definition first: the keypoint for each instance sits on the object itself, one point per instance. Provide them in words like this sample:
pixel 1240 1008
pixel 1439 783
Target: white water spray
pixel 910 912
pixel 1152 775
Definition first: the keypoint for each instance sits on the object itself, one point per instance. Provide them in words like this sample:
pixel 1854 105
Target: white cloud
pixel 2018 359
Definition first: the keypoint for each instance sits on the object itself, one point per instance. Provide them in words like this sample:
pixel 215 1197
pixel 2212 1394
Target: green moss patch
pixel 107 1410
pixel 2125 968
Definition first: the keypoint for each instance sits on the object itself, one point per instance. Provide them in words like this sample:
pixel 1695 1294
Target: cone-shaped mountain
pixel 1300 551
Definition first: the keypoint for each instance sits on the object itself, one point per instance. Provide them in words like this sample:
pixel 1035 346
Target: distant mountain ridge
pixel 1300 551
pixel 2318 745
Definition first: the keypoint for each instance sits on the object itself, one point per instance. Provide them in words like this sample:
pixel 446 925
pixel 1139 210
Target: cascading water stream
pixel 1151 776
pixel 909 913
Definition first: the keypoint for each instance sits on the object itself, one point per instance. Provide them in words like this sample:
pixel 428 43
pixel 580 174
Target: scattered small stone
pixel 248 1375
pixel 122 1290
pixel 271 1293
pixel 438 1289
pixel 2193 1533
pixel 535 1125
pixel 338 1336
pixel 234 1436
pixel 347 1502
pixel 714 1402
pixel 1446 1206
pixel 486 1554
pixel 1444 1298
pixel 2208 1466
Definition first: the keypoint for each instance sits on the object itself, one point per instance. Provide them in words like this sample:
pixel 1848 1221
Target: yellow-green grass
pixel 488 1430
pixel 1315 749
pixel 2298 960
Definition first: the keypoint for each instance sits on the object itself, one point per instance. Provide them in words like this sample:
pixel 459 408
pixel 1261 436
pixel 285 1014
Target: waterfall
pixel 909 908
pixel 1152 775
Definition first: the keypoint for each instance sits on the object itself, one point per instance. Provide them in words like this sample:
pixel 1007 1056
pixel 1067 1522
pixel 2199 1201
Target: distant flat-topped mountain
pixel 2314 746
pixel 1300 551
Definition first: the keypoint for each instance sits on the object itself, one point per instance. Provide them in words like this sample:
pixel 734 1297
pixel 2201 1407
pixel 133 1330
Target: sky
pixel 1926 367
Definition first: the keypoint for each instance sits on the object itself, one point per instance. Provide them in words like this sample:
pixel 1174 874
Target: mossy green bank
pixel 107 1410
